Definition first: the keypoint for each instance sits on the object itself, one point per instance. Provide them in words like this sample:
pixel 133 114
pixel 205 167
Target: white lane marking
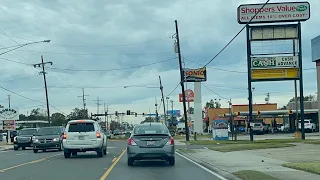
pixel 3 152
pixel 20 154
pixel 110 147
pixel 202 167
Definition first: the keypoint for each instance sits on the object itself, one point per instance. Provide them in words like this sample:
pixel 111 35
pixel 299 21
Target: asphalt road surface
pixel 26 165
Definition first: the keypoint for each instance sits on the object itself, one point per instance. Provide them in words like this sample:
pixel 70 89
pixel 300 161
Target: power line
pixel 115 69
pixel 214 92
pixel 237 33
pixel 99 54
pixel 173 90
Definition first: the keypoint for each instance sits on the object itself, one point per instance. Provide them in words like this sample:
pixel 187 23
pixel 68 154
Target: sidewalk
pixel 4 146
pixel 268 161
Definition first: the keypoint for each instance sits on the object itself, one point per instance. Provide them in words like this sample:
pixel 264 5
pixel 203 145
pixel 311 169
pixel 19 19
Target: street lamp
pixel 22 45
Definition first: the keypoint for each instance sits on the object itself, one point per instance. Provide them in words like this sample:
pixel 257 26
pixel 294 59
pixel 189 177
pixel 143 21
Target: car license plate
pixel 81 137
pixel 151 143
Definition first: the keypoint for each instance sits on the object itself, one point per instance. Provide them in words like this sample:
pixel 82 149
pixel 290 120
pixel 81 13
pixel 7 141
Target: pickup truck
pixel 309 126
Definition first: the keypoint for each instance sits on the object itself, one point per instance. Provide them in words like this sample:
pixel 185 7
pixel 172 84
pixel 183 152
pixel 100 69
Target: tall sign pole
pixel 182 83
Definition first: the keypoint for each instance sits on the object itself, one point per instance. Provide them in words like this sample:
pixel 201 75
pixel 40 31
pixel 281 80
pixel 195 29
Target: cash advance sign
pixel 274 12
pixel 195 75
pixel 274 62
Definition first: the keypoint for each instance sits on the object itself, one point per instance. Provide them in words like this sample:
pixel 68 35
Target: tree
pixel 148 119
pixel 23 117
pixel 114 125
pixel 37 114
pixel 78 114
pixel 213 104
pixel 191 110
pixel 305 98
pixel 58 119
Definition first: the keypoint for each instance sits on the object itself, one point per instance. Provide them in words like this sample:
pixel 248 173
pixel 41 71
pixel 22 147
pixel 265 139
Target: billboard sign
pixel 274 62
pixel 275 74
pixel 274 12
pixel 220 130
pixel 9 114
pixel 175 113
pixel 315 46
pixel 8 125
pixel 195 75
pixel 189 96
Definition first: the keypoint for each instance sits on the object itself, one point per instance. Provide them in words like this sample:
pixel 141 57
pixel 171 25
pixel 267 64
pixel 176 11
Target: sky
pixel 116 51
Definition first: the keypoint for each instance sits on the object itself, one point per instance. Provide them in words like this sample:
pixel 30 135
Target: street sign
pixel 276 32
pixel 195 75
pixel 274 12
pixel 189 96
pixel 274 62
pixel 275 74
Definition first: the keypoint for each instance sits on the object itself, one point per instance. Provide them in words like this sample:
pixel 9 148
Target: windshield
pixel 48 131
pixel 27 132
pixel 81 127
pixel 151 130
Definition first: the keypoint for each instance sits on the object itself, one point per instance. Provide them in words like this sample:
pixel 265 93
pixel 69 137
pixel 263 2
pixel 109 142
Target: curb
pixel 210 166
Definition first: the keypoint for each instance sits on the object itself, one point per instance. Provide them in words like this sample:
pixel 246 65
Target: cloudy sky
pixel 105 46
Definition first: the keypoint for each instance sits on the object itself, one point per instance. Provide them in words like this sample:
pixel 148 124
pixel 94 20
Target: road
pixel 26 165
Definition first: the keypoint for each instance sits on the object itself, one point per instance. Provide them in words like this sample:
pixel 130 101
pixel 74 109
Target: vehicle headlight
pixel 55 139
pixel 35 140
pixel 15 139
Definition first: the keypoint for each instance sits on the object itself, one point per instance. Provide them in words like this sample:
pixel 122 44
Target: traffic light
pixel 128 112
pixel 135 114
pixel 143 114
pixel 290 111
pixel 116 113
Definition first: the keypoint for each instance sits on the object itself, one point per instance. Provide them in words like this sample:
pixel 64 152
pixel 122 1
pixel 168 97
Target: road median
pixel 312 167
pixel 253 175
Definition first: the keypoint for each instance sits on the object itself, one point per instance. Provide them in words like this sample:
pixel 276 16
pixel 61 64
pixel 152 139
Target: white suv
pixel 82 136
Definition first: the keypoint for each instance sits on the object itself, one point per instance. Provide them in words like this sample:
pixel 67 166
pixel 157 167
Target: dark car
pixel 24 138
pixel 48 138
pixel 12 135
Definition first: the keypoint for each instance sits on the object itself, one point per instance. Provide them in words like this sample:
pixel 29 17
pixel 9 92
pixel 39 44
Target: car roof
pixel 84 120
pixel 49 127
pixel 149 124
pixel 28 129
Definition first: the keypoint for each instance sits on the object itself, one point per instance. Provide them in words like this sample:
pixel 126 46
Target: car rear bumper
pixel 52 145
pixel 83 147
pixel 25 144
pixel 138 153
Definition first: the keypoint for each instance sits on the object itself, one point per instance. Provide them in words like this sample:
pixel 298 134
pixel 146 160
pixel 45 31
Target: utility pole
pixel 164 105
pixel 182 83
pixel 171 112
pixel 106 115
pixel 167 106
pixel 43 72
pixel 9 99
pixel 98 104
pixel 83 99
pixel 156 105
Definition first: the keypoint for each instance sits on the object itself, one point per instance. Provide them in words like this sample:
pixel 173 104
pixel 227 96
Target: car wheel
pixel 100 152
pixel 172 161
pixel 130 161
pixel 35 151
pixel 23 148
pixel 15 148
pixel 67 154
pixel 105 150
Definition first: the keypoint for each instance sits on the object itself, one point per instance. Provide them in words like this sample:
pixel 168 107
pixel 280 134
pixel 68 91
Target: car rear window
pixel 81 127
pixel 151 130
pixel 27 132
pixel 257 125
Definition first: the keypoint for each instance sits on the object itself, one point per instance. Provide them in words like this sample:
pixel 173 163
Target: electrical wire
pixel 214 92
pixel 173 90
pixel 99 54
pixel 238 33
pixel 115 69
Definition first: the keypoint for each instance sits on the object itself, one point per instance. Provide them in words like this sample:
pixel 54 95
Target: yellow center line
pixel 112 166
pixel 31 162
pixel 114 159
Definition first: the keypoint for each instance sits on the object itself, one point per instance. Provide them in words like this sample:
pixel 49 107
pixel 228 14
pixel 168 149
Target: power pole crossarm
pixel 43 72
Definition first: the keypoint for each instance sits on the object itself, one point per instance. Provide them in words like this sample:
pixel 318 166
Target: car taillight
pixel 170 141
pixel 131 142
pixel 64 136
pixel 98 134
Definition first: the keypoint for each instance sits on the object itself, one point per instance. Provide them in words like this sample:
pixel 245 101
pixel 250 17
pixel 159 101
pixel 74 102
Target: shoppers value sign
pixel 274 12
pixel 274 62
pixel 9 114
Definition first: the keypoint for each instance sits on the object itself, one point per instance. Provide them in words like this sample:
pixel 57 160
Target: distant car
pixel 117 132
pixel 82 136
pixel 150 141
pixel 48 138
pixel 309 126
pixel 24 138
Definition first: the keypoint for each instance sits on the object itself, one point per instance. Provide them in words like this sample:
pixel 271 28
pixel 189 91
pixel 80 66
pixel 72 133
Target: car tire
pixel 105 150
pixel 67 154
pixel 130 161
pixel 23 148
pixel 172 161
pixel 100 152
pixel 35 151
pixel 15 148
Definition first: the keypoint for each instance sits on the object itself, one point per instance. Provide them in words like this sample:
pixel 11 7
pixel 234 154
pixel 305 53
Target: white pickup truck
pixel 309 126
